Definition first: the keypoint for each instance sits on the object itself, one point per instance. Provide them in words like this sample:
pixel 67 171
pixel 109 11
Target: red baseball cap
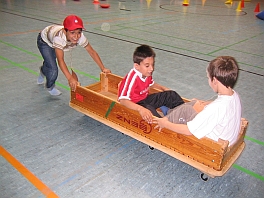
pixel 73 22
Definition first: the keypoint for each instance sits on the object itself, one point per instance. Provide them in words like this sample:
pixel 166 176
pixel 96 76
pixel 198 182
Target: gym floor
pixel 49 149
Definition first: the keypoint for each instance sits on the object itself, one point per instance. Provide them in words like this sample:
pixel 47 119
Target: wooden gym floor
pixel 49 149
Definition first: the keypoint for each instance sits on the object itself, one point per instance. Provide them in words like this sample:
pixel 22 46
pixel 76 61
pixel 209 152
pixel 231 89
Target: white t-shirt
pixel 54 36
pixel 219 119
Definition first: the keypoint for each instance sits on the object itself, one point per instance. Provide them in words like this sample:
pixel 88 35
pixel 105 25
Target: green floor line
pixel 31 61
pixel 67 88
pixel 62 86
pixel 254 140
pixel 85 74
pixel 20 49
pixel 6 66
pixel 93 77
pixel 155 42
pixel 36 73
pixel 260 177
pixel 174 47
pixel 182 39
pixel 19 65
pixel 10 45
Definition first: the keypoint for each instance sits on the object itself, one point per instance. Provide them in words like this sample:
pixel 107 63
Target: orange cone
pixel 257 9
pixel 185 3
pixel 239 7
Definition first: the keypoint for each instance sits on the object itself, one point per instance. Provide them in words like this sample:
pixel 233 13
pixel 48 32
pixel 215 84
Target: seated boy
pixel 220 118
pixel 133 90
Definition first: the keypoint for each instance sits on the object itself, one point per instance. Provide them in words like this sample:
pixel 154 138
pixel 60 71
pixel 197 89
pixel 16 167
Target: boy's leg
pixel 41 77
pixel 49 68
pixel 149 107
pixel 169 99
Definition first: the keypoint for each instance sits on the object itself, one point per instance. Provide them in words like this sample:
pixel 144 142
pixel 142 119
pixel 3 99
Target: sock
pixel 164 110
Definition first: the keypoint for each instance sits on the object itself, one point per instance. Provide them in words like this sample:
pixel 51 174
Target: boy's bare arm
pixel 96 58
pixel 60 57
pixel 165 123
pixel 160 87
pixel 61 62
pixel 145 113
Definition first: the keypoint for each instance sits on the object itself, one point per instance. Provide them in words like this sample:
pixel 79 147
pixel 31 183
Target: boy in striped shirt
pixel 53 41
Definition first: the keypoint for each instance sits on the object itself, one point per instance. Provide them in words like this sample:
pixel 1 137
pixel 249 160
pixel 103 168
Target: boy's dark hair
pixel 224 69
pixel 76 29
pixel 142 52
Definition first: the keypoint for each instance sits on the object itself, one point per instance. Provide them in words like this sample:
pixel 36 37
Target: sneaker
pixel 41 78
pixel 55 92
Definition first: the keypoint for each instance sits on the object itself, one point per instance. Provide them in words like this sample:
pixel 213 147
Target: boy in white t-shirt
pixel 53 41
pixel 220 118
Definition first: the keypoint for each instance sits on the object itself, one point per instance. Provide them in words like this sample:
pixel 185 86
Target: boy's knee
pixel 175 98
pixel 174 94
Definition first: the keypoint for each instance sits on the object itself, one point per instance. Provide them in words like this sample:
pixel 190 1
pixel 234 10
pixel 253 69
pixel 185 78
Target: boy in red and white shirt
pixel 134 88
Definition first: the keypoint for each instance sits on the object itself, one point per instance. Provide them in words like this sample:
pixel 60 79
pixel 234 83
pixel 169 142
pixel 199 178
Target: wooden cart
pixel 99 101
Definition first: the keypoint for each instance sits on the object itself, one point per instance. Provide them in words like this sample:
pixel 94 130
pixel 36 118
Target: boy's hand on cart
pixel 73 83
pixel 161 122
pixel 146 114
pixel 105 70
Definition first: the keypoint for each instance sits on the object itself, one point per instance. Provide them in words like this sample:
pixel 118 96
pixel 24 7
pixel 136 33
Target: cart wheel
pixel 151 148
pixel 204 178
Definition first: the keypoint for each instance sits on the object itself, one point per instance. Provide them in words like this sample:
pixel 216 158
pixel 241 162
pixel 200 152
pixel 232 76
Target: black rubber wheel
pixel 151 148
pixel 203 177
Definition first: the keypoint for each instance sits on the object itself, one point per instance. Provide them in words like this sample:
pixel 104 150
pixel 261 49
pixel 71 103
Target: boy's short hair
pixel 75 29
pixel 142 52
pixel 224 69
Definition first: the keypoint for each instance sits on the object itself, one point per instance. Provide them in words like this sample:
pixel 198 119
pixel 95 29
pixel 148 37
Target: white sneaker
pixel 40 79
pixel 55 92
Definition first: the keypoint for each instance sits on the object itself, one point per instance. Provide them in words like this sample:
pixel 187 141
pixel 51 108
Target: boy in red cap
pixel 53 41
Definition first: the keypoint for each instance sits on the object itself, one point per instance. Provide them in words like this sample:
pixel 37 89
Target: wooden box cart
pixel 99 101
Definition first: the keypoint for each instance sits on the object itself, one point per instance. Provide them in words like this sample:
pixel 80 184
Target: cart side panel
pixel 90 100
pixel 207 152
pixel 238 146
